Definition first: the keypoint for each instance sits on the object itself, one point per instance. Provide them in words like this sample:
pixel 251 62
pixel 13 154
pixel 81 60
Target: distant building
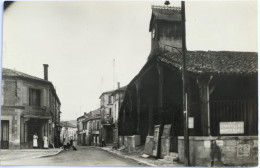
pixel 29 105
pixel 106 114
pixel 68 131
pixel 80 130
pixel 91 126
pixel 118 97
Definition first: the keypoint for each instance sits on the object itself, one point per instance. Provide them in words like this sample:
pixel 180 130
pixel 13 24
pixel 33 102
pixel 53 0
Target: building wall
pixel 106 114
pixel 15 104
pixel 68 133
pixel 221 151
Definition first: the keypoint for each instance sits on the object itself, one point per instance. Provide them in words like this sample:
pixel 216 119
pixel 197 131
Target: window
pixel 98 125
pixel 93 125
pixel 34 97
pixel 110 111
pixel 110 99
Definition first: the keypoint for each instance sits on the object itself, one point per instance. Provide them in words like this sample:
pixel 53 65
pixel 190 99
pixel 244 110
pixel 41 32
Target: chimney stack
pixel 118 85
pixel 45 71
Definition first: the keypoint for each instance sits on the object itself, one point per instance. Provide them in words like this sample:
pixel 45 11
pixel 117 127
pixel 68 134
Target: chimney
pixel 118 85
pixel 45 71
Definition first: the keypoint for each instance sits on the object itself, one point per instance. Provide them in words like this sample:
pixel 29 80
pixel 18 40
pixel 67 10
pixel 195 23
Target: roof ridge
pixel 22 74
pixel 166 7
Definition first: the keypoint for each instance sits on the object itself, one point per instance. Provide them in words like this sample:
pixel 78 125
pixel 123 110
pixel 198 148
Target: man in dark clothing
pixel 71 142
pixel 103 142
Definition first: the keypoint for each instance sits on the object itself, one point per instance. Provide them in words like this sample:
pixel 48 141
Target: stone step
pixel 170 158
pixel 173 154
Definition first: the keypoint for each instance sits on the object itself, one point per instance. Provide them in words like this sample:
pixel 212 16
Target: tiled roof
pixel 95 112
pixel 14 73
pixel 122 89
pixel 217 62
pixel 67 124
pixel 107 92
pixel 165 13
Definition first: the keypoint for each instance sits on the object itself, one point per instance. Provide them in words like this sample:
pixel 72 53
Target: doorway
pixel 4 134
pixel 34 126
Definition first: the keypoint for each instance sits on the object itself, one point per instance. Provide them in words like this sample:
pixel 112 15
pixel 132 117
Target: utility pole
pixel 117 115
pixel 184 78
pixel 114 75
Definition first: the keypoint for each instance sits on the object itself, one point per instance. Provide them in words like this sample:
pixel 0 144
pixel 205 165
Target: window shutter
pixel 25 95
pixel 43 97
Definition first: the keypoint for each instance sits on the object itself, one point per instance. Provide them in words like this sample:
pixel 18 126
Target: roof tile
pixel 218 62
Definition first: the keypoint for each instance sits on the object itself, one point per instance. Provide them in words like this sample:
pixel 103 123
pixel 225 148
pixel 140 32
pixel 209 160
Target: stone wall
pixel 221 151
pixel 131 142
pixel 13 116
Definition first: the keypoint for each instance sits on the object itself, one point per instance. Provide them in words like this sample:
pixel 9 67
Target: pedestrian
pixel 35 140
pixel 103 142
pixel 45 142
pixel 71 142
pixel 64 145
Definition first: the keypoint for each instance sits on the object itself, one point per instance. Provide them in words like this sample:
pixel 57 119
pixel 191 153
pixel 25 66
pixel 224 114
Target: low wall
pixel 221 151
pixel 149 144
pixel 131 142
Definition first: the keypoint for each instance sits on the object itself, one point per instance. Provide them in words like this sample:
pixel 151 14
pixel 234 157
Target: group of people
pixel 36 139
pixel 67 144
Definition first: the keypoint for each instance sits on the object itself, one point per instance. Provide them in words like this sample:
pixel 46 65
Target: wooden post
pixel 160 106
pixel 185 103
pixel 160 93
pixel 151 127
pixel 124 123
pixel 138 106
pixel 205 109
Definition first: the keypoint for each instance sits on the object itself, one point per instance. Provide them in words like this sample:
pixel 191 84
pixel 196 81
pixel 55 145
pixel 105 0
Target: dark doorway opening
pixel 4 134
pixel 34 126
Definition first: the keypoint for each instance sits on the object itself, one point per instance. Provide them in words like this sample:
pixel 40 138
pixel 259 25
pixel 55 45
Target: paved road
pixel 84 156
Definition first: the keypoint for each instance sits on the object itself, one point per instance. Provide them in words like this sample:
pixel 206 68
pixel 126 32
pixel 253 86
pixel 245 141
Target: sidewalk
pixel 137 157
pixel 9 154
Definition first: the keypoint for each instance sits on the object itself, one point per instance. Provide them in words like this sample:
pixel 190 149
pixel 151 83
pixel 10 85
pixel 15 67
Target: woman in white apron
pixel 35 141
pixel 45 142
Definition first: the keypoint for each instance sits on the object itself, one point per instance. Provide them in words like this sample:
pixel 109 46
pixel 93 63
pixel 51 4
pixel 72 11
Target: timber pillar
pixel 138 105
pixel 203 83
pixel 160 106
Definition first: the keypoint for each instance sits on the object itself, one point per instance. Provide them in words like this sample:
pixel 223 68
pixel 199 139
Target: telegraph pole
pixel 119 105
pixel 184 78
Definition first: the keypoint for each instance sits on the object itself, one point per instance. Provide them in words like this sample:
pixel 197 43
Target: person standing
pixel 35 140
pixel 71 142
pixel 103 143
pixel 45 142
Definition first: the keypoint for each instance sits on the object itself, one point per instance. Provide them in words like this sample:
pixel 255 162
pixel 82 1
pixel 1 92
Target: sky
pixel 79 40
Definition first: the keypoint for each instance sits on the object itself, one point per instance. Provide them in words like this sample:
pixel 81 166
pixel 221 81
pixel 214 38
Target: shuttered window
pixel 35 97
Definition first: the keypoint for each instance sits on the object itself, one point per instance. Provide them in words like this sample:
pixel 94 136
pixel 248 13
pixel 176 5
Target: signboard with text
pixel 236 127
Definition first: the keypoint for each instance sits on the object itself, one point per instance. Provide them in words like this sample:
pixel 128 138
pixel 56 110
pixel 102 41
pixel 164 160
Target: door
pixel 34 127
pixel 4 134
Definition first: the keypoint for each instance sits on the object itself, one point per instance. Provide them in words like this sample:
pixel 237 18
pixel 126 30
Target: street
pixel 84 156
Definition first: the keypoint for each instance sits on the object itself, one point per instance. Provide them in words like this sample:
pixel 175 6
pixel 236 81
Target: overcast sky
pixel 79 41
